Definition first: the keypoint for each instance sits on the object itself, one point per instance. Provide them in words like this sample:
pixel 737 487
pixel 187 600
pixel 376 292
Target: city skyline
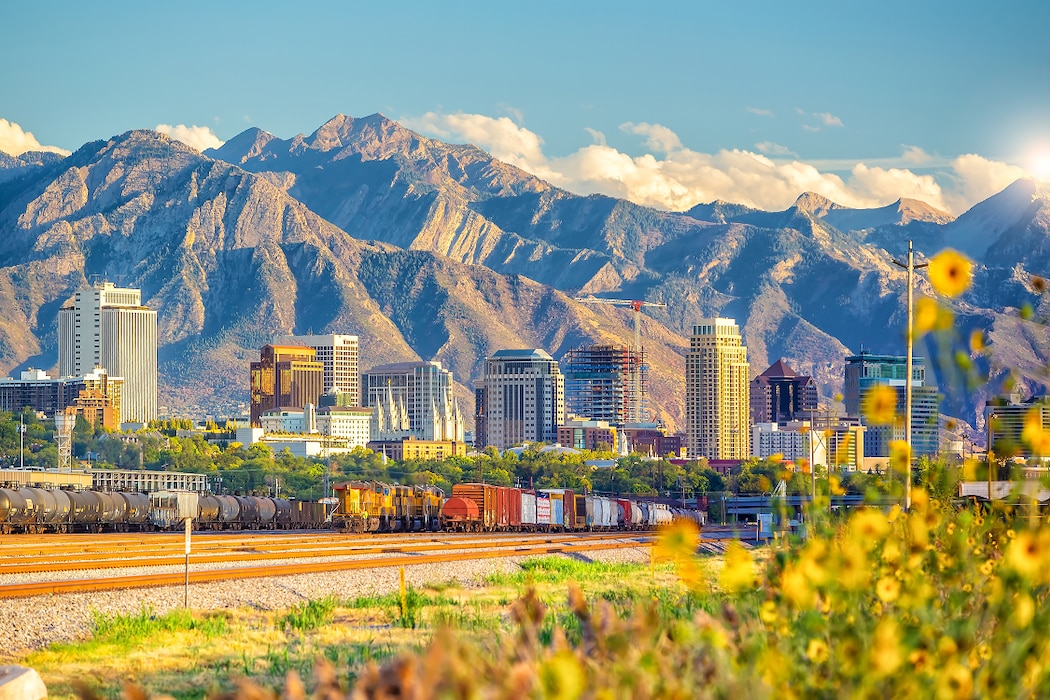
pixel 947 104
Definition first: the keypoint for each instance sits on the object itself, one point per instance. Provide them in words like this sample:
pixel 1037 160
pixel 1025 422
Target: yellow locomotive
pixel 370 506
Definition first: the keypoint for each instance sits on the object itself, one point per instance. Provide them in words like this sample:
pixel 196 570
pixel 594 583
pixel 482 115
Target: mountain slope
pixel 229 260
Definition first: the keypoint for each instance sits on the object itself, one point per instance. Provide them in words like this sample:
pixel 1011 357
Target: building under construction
pixel 600 383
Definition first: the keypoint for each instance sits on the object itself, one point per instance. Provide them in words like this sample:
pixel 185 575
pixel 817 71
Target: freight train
pixel 33 510
pixel 377 507
pixel 360 506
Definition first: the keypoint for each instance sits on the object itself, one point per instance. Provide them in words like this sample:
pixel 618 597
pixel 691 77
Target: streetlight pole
pixel 910 335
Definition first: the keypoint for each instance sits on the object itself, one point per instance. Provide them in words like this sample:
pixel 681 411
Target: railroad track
pixel 501 550
pixel 171 554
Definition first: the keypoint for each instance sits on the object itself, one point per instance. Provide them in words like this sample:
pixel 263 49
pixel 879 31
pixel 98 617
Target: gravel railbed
pixel 34 623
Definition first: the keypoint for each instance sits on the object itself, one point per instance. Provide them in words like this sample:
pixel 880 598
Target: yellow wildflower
pixel 1026 554
pixel 738 573
pixel 1024 611
pixel 869 526
pixel 919 660
pixel 817 651
pixel 1034 435
pixel 951 272
pixel 955 681
pixel 900 457
pixel 768 612
pixel 925 318
pixel 796 586
pixel 977 341
pixel 888 589
pixel 880 405
pixel 680 541
pixel 886 654
pixel 562 677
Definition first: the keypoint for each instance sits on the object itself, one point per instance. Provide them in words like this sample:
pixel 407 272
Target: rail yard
pixel 50 584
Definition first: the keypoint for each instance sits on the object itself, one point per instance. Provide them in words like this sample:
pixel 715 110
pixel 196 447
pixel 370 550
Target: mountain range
pixel 428 250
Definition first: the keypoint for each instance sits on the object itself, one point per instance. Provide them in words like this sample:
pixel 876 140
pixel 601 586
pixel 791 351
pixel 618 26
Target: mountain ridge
pixel 436 251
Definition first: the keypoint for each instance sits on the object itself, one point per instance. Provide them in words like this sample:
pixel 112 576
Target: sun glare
pixel 1039 165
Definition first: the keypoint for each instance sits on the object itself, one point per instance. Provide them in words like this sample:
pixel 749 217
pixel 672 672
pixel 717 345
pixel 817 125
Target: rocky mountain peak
pixel 242 147
pixel 918 210
pixel 816 204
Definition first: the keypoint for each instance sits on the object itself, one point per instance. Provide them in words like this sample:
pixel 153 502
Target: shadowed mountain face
pixel 437 251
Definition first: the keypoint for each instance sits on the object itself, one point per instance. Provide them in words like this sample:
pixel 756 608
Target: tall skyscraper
pixel 412 399
pixel 108 327
pixel 339 355
pixel 717 405
pixel 781 395
pixel 286 376
pixel 599 383
pixel 867 370
pixel 525 398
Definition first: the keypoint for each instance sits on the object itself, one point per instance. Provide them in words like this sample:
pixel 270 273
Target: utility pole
pixel 21 440
pixel 910 335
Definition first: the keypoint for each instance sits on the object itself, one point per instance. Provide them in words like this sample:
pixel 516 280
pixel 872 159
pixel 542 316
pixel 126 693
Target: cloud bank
pixel 199 137
pixel 14 141
pixel 674 177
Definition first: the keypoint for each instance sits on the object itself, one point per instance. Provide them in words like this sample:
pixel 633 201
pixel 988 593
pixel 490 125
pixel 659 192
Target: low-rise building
pixel 96 395
pixel 351 423
pixel 411 448
pixel 652 440
pixel 583 434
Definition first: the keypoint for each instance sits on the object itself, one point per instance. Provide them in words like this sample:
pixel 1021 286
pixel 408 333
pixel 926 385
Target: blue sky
pixel 662 103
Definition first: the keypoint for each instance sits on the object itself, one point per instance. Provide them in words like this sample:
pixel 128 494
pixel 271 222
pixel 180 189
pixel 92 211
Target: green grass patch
pixel 311 614
pixel 128 628
pixel 555 569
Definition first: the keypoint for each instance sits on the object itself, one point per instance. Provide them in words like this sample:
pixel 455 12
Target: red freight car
pixel 472 507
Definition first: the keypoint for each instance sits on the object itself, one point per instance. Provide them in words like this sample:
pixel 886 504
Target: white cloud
pixel 760 112
pixel 14 141
pixel 199 137
pixel 774 149
pixel 500 136
pixel 828 119
pixel 597 136
pixel 979 178
pixel 674 177
pixel 915 155
pixel 657 137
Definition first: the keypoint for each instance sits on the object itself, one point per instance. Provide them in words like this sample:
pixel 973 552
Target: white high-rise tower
pixel 108 327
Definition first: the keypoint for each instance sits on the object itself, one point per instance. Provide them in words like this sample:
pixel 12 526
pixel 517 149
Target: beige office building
pixel 108 327
pixel 717 403
pixel 525 398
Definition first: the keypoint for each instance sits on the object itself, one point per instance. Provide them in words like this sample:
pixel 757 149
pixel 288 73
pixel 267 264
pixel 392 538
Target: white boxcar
pixel 528 510
pixel 609 519
pixel 543 510
pixel 169 508
pixel 593 516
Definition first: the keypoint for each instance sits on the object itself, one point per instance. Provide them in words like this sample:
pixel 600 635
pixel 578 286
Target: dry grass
pixel 163 657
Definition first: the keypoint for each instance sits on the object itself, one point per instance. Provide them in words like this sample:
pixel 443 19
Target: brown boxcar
pixel 514 504
pixel 484 496
pixel 502 508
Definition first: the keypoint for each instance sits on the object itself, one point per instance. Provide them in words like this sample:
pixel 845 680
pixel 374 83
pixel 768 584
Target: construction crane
pixel 637 305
